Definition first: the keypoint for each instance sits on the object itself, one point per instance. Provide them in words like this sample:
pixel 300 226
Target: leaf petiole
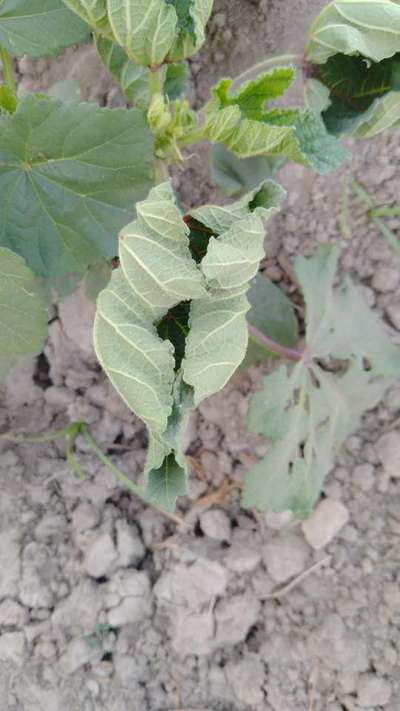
pixel 274 347
pixel 7 69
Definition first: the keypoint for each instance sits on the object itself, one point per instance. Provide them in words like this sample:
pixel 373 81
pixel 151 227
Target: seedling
pixel 171 324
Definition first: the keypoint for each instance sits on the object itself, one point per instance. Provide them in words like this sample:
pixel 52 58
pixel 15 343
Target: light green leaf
pixel 141 328
pixel 234 176
pixel 217 340
pixel 133 79
pixel 70 175
pixel 367 27
pixel 146 30
pixel 309 413
pixel 290 133
pixel 156 273
pixel 39 27
pixel 8 100
pixel 94 12
pixel 151 31
pixel 23 313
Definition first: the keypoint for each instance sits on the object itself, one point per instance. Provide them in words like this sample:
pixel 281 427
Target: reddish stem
pixel 274 347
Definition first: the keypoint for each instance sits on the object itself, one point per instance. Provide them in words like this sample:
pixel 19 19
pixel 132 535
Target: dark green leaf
pixel 175 84
pixel 235 176
pixel 272 314
pixel 354 84
pixel 185 18
pixel 70 175
pixel 39 27
pixel 165 484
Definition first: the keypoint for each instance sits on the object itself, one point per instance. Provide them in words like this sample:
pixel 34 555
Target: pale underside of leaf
pixel 156 273
pixel 145 30
pixel 23 313
pixel 70 175
pixel 368 27
pixel 39 28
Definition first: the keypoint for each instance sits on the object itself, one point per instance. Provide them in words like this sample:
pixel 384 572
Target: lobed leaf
pixel 39 28
pixel 23 313
pixel 308 413
pixel 241 122
pixel 70 175
pixel 235 176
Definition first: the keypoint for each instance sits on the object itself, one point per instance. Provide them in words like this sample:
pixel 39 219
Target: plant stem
pixel 266 64
pixel 122 478
pixel 7 69
pixel 155 82
pixel 274 347
pixel 385 212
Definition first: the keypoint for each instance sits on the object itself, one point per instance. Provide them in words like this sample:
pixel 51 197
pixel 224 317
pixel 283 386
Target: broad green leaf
pixel 133 79
pixel 8 100
pixel 94 12
pixel 370 28
pixel 308 413
pixel 217 340
pixel 23 313
pixel 39 27
pixel 70 175
pixel 272 314
pixel 234 176
pixel 242 123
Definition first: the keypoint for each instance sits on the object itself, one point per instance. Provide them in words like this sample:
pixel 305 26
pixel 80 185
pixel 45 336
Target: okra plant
pixel 183 306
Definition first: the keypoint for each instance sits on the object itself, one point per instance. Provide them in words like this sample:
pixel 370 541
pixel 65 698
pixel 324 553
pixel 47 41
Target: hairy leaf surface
pixel 171 330
pixel 217 340
pixel 23 313
pixel 70 175
pixel 370 28
pixel 39 27
pixel 308 413
pixel 151 31
pixel 247 128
